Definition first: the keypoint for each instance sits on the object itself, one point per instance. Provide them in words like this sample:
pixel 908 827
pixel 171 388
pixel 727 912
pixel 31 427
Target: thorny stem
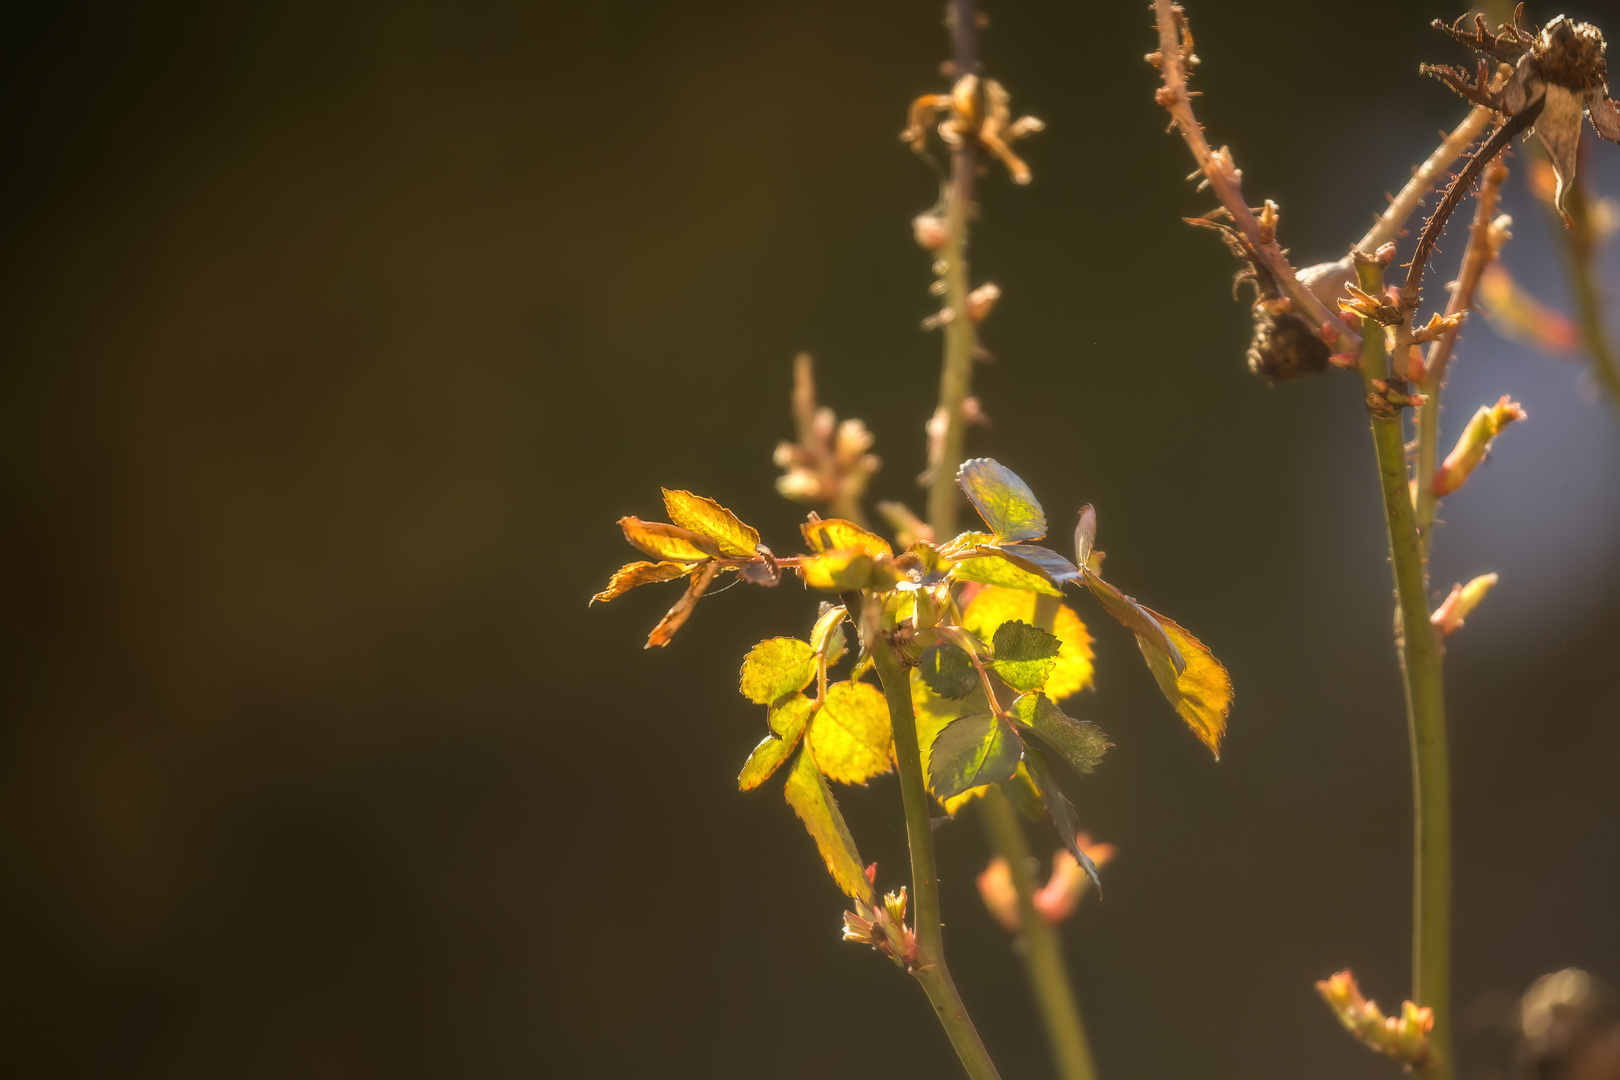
pixel 1174 97
pixel 929 969
pixel 1393 220
pixel 1418 648
pixel 1039 944
pixel 956 374
pixel 1476 258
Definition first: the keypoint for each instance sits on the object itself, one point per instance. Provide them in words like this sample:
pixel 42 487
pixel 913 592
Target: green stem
pixel 1578 247
pixel 1038 943
pixel 930 969
pixel 956 374
pixel 1418 648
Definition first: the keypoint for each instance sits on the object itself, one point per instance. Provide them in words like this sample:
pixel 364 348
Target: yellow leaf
pixel 630 575
pixel 994 570
pixel 995 605
pixel 676 617
pixel 1202 694
pixel 775 668
pixel 787 725
pixel 850 735
pixel 807 793
pixel 834 533
pixel 843 570
pixel 668 541
pixel 708 517
pixel 822 641
pixel 933 712
pixel 964 543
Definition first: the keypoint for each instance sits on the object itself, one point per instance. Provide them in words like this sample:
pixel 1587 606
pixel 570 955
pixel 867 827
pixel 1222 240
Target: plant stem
pixel 1481 250
pixel 1038 943
pixel 930 969
pixel 1578 243
pixel 956 374
pixel 1418 648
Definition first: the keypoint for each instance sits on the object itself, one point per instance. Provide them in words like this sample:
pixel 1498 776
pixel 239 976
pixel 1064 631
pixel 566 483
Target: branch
pixel 1175 51
pixel 1393 220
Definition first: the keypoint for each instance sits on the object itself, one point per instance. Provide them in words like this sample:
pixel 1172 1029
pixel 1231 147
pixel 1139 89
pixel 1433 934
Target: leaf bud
pixel 1456 607
pixel 929 230
pixel 1474 444
pixel 982 301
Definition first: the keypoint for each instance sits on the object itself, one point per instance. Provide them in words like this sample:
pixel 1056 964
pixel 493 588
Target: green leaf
pixel 1135 618
pixel 972 751
pixel 705 516
pixel 1003 500
pixel 1081 742
pixel 1201 690
pixel 850 735
pixel 994 606
pixel 810 798
pixel 787 722
pixel 991 569
pixel 1025 655
pixel 1021 790
pixel 775 668
pixel 1060 809
pixel 933 714
pixel 948 671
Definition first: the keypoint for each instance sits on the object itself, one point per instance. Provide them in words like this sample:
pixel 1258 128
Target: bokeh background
pixel 337 335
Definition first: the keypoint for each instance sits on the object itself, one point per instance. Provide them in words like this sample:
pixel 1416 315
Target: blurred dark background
pixel 335 338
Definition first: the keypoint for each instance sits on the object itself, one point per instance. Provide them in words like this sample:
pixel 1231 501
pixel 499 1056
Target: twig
pixel 1579 240
pixel 1175 45
pixel 1389 224
pixel 929 969
pixel 1419 651
pixel 1481 250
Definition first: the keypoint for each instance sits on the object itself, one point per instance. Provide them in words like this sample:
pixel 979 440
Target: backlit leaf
pixel 775 668
pixel 948 671
pixel 668 541
pixel 1003 500
pixel 1043 561
pixel 676 617
pixel 850 735
pixel 972 751
pixel 1201 692
pixel 629 576
pixel 991 569
pixel 709 518
pixel 965 543
pixel 1081 742
pixel 1025 655
pixel 843 570
pixel 933 714
pixel 810 798
pixel 994 606
pixel 1060 809
pixel 1135 618
pixel 832 534
pixel 1022 791
pixel 827 636
pixel 787 725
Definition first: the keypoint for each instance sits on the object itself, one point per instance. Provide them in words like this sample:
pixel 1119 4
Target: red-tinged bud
pixel 982 300
pixel 1349 361
pixel 997 891
pixel 1474 444
pixel 929 229
pixel 1404 1038
pixel 1061 895
pixel 1385 255
pixel 1456 607
pixel 871 874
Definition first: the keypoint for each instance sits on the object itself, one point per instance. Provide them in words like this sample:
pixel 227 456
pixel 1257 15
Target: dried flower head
pixel 1559 74
pixel 974 109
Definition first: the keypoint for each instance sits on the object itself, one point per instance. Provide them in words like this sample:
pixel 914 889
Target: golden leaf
pixel 843 570
pixel 810 798
pixel 787 725
pixel 850 735
pixel 676 617
pixel 995 605
pixel 835 533
pixel 1202 694
pixel 775 668
pixel 630 575
pixel 668 541
pixel 709 518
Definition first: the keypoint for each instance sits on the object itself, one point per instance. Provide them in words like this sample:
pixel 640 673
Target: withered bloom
pixel 1559 74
